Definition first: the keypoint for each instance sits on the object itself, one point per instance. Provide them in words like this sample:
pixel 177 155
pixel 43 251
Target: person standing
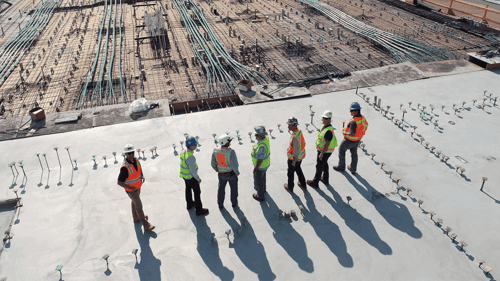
pixel 261 161
pixel 325 145
pixel 295 152
pixel 189 172
pixel 353 132
pixel 131 179
pixel 225 163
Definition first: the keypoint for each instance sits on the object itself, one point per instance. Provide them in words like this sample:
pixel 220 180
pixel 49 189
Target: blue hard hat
pixel 191 141
pixel 355 106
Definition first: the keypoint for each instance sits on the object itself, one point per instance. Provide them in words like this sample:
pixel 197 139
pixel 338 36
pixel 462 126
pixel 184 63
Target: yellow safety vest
pixel 267 160
pixel 185 172
pixel 320 142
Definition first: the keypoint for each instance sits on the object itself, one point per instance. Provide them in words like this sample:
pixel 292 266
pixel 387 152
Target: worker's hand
pixel 294 162
pixel 238 174
pixel 199 181
pixel 132 188
pixel 254 172
pixel 321 156
pixel 143 179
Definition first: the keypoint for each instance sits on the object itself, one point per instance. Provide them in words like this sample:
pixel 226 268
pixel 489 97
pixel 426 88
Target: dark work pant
pixel 291 170
pixel 353 147
pixel 259 181
pixel 233 183
pixel 193 185
pixel 322 167
pixel 137 211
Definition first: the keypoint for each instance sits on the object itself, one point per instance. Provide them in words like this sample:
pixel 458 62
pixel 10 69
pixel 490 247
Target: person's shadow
pixel 362 226
pixel 148 266
pixel 287 236
pixel 326 230
pixel 208 250
pixel 396 214
pixel 246 246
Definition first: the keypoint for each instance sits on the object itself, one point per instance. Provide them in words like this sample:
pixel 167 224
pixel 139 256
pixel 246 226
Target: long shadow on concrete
pixel 396 214
pixel 362 226
pixel 247 247
pixel 288 238
pixel 149 265
pixel 326 230
pixel 208 250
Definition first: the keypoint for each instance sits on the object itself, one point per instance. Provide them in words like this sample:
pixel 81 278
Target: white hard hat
pixel 128 148
pixel 224 139
pixel 327 114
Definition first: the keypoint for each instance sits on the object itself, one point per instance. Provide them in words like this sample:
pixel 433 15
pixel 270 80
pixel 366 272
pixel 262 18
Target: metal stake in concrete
pixel 70 160
pixel 56 148
pixel 12 167
pixel 114 155
pixel 21 164
pixel 105 161
pixel 45 156
pixel 106 257
pixel 134 251
pixel 312 115
pixel 482 185
pixel 93 159
pixel 59 268
pixel 38 155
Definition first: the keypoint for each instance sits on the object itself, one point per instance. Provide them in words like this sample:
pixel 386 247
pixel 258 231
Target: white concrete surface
pixel 73 218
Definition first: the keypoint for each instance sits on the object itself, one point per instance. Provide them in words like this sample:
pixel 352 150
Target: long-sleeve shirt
pixel 191 163
pixel 234 162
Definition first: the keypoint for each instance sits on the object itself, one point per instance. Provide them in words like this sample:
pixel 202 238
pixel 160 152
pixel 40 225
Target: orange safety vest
pixel 361 127
pixel 134 176
pixel 300 137
pixel 223 156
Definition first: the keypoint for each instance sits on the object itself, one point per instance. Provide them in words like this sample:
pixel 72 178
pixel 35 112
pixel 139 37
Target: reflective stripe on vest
pixel 267 160
pixel 185 172
pixel 320 142
pixel 361 127
pixel 223 156
pixel 300 137
pixel 134 176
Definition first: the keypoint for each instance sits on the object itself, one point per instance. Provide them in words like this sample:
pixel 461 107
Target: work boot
pixel 302 186
pixel 338 169
pixel 349 168
pixel 136 220
pixel 325 181
pixel 287 188
pixel 148 226
pixel 257 198
pixel 312 183
pixel 202 212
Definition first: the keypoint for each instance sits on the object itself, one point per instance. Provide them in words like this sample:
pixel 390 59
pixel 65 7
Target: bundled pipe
pixel 401 48
pixel 213 56
pixel 13 50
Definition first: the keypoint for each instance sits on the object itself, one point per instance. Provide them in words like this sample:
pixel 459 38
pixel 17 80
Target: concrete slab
pixel 78 216
pixel 448 67
pixel 391 74
pixel 276 91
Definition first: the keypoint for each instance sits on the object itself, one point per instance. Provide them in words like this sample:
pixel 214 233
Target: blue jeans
pixel 259 181
pixel 233 183
pixel 351 146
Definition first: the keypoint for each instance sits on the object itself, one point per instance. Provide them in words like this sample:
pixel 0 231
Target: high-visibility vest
pixel 267 160
pixel 185 172
pixel 297 135
pixel 134 176
pixel 320 142
pixel 223 156
pixel 361 127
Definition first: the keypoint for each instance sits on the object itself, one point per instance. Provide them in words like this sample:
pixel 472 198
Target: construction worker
pixel 261 161
pixel 325 145
pixel 131 179
pixel 225 163
pixel 189 172
pixel 353 132
pixel 295 152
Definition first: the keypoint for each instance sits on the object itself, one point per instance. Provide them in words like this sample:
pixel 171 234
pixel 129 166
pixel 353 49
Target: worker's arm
pixel 296 150
pixel 191 162
pixel 234 163
pixel 352 129
pixel 214 162
pixel 124 185
pixel 123 177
